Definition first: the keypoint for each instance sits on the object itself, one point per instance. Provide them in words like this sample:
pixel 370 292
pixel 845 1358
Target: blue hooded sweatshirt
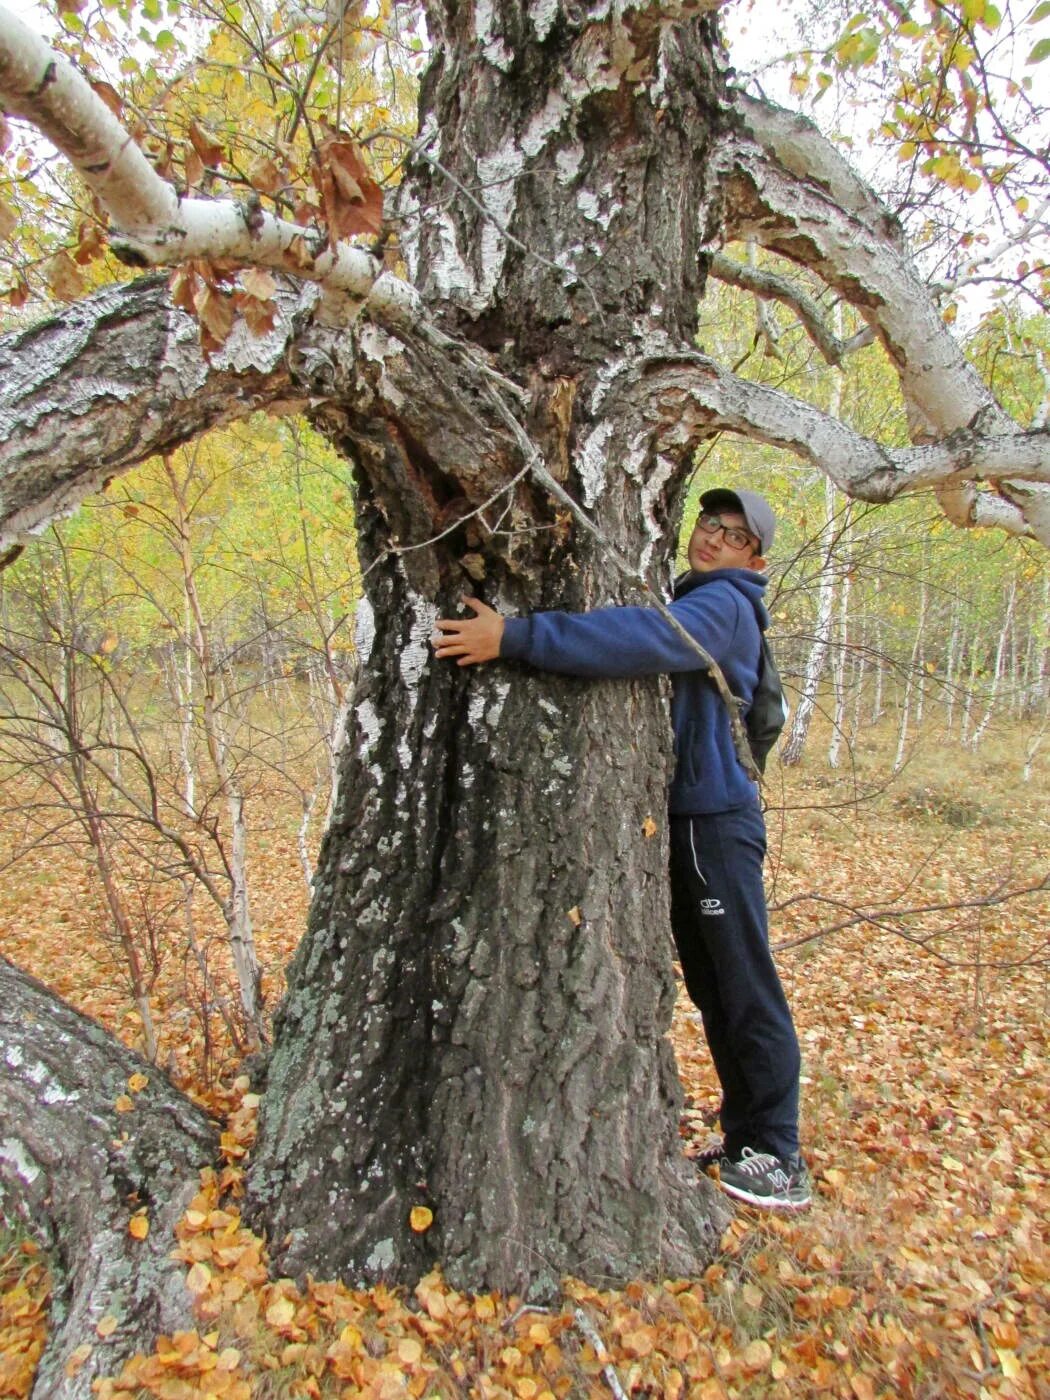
pixel 724 611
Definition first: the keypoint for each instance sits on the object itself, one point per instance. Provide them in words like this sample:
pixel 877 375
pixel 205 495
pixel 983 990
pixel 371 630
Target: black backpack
pixel 768 713
pixel 769 710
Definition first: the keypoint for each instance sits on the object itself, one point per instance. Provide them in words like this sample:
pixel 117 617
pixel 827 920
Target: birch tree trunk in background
pixel 912 679
pixel 840 661
pixel 822 627
pixel 997 673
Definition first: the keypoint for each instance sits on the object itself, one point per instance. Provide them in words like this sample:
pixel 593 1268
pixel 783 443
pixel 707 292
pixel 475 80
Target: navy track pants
pixel 720 925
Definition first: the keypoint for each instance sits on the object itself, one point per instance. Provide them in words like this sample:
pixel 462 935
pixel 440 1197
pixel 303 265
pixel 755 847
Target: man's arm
pixel 605 642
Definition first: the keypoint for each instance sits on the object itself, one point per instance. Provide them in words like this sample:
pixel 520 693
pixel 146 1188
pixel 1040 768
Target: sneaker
pixel 712 1154
pixel 777 1183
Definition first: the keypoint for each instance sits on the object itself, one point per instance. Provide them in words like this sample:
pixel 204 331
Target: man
pixel 717 833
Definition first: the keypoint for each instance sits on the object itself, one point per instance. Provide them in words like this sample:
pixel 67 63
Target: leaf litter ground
pixel 921 1270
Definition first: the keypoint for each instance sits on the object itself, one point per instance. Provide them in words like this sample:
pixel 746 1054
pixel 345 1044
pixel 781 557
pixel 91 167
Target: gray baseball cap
pixel 755 509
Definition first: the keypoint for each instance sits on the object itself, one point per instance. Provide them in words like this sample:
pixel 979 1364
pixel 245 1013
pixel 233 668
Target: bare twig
pixel 590 1334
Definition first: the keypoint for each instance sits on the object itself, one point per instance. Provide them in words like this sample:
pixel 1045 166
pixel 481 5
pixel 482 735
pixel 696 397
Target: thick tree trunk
pixel 477 1020
pixel 82 1152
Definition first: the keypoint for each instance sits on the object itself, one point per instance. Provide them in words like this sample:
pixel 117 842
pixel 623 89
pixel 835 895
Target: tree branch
pixel 111 380
pixel 770 287
pixel 692 396
pixel 161 228
pixel 787 187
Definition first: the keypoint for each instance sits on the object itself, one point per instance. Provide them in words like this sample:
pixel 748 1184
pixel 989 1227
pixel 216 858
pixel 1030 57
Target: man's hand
pixel 468 640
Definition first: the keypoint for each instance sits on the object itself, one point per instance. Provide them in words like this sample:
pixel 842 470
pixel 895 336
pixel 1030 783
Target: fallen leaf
pixel 77 1358
pixel 421 1218
pixel 198 1278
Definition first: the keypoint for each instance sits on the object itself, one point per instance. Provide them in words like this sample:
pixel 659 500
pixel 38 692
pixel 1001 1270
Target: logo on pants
pixel 711 906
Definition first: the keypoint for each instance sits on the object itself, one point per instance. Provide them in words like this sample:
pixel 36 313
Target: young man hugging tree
pixel 717 832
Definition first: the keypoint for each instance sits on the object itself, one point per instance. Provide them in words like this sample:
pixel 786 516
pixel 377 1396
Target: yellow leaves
pixel 138 1225
pixel 420 1218
pixel 574 916
pixel 106 1326
pixel 76 1358
pixel 124 1104
pixel 757 1355
pixel 198 1279
pixel 649 828
pixel 137 1082
pixel 409 1351
pixel 1008 1360
pixel 281 1313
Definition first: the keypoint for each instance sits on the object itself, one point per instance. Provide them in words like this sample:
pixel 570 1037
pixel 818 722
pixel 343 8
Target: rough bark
pixel 106 383
pixel 76 1169
pixel 489 936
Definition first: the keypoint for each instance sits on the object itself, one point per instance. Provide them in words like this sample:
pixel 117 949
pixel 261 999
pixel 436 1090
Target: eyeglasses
pixel 734 538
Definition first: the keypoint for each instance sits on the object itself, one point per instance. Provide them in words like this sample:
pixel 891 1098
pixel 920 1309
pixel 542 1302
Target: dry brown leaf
pixel 109 95
pixel 208 150
pixel 63 277
pixel 352 200
pixel 8 220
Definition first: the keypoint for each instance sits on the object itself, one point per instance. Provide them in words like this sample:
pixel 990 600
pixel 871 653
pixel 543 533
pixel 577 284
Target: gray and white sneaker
pixel 760 1179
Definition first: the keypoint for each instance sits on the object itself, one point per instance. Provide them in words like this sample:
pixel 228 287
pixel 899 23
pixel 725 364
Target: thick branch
pixel 789 189
pixel 110 381
pixel 159 227
pixel 78 1169
pixel 694 396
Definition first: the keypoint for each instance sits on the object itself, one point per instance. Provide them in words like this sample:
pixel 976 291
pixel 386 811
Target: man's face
pixel 710 549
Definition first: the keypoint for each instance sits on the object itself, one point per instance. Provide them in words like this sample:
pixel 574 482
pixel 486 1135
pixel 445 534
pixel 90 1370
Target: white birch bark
pixel 840 659
pixel 818 652
pixel 236 908
pixel 912 679
pixel 951 668
pixel 997 674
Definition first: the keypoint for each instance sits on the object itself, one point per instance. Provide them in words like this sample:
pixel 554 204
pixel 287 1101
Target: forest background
pixel 175 669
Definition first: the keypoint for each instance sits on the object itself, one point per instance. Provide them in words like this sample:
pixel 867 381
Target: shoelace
pixel 756 1163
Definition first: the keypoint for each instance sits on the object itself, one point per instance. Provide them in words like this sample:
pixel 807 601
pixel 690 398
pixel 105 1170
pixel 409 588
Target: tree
pixel 476 1017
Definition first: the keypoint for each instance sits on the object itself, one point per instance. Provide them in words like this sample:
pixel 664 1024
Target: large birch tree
pixel 478 1012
